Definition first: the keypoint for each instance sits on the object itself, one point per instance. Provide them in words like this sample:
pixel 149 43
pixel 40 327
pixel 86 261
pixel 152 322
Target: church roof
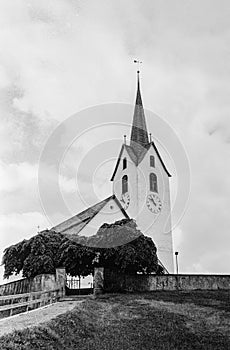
pixel 139 134
pixel 139 143
pixel 159 156
pixel 130 153
pixel 137 160
pixel 77 222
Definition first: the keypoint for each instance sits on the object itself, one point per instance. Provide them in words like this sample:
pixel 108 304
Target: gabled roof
pixel 140 158
pixel 130 153
pixel 77 222
pixel 158 154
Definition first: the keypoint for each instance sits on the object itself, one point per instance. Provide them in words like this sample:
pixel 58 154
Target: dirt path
pixel 35 317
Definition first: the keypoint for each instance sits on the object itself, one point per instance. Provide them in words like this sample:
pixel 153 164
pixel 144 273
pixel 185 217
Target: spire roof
pixel 139 134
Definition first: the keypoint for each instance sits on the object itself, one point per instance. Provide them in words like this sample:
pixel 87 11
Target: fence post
pixel 98 280
pixel 61 280
pixel 30 298
pixel 11 310
pixel 178 287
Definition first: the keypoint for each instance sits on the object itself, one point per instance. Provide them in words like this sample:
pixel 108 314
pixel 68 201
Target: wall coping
pixel 186 274
pixel 172 274
pixel 31 278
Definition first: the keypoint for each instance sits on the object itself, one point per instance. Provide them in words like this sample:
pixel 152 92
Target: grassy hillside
pixel 158 320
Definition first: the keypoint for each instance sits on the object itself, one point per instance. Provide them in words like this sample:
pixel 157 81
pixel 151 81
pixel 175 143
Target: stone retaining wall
pixel 115 282
pixel 42 282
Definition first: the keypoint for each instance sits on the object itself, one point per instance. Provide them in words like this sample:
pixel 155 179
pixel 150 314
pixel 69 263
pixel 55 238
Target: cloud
pixel 15 227
pixel 17 176
pixel 52 41
pixel 205 226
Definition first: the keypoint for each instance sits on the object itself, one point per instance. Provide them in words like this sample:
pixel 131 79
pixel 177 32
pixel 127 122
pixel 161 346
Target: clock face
pixel 125 200
pixel 153 203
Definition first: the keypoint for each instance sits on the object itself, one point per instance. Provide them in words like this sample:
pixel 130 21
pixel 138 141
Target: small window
pixel 153 182
pixel 152 161
pixel 124 184
pixel 124 163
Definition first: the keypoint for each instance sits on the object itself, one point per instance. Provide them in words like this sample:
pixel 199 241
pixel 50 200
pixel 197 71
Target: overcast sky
pixel 58 57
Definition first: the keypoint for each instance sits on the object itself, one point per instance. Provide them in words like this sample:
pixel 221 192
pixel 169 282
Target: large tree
pixel 116 234
pixel 37 255
pixel 138 255
pixel 77 259
pixel 48 250
pixel 121 246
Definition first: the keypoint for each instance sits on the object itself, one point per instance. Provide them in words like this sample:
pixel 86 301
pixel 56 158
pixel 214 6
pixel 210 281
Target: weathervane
pixel 138 65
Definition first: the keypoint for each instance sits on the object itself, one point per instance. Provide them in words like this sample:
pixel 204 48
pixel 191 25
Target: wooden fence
pixel 14 304
pixel 16 287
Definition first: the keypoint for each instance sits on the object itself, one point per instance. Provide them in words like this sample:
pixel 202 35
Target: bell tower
pixel 141 184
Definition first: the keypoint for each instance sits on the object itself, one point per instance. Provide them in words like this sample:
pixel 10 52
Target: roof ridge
pixel 83 221
pixel 159 156
pixel 83 212
pixel 94 205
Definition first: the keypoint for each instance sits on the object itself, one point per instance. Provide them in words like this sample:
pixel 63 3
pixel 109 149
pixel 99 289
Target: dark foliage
pixel 48 250
pixel 138 255
pixel 121 246
pixel 37 255
pixel 77 259
pixel 116 234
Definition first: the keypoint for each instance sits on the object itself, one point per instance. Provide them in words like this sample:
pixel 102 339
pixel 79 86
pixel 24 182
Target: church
pixel 141 192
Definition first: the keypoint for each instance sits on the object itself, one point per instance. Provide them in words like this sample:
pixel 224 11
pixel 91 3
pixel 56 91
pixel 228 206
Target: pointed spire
pixel 139 134
pixel 138 99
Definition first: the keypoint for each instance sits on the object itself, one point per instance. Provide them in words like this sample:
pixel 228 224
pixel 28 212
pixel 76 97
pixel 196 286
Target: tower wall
pixel 156 226
pixel 131 172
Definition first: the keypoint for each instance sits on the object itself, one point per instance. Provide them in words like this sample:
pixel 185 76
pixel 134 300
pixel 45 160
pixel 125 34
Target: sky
pixel 58 58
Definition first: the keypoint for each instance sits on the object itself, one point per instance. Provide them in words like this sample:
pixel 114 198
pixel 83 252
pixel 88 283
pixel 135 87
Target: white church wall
pixel 131 172
pixel 157 226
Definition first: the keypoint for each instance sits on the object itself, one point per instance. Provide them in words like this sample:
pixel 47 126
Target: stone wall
pixel 114 282
pixel 98 280
pixel 44 282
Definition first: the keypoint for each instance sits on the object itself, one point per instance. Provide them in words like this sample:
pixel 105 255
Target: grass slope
pixel 158 320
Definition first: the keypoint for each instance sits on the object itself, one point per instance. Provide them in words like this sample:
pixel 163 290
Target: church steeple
pixel 139 134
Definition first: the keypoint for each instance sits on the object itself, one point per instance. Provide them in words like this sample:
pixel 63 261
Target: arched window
pixel 124 184
pixel 153 182
pixel 152 161
pixel 124 163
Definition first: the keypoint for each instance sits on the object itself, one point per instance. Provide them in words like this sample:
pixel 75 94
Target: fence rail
pixel 41 298
pixel 16 287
